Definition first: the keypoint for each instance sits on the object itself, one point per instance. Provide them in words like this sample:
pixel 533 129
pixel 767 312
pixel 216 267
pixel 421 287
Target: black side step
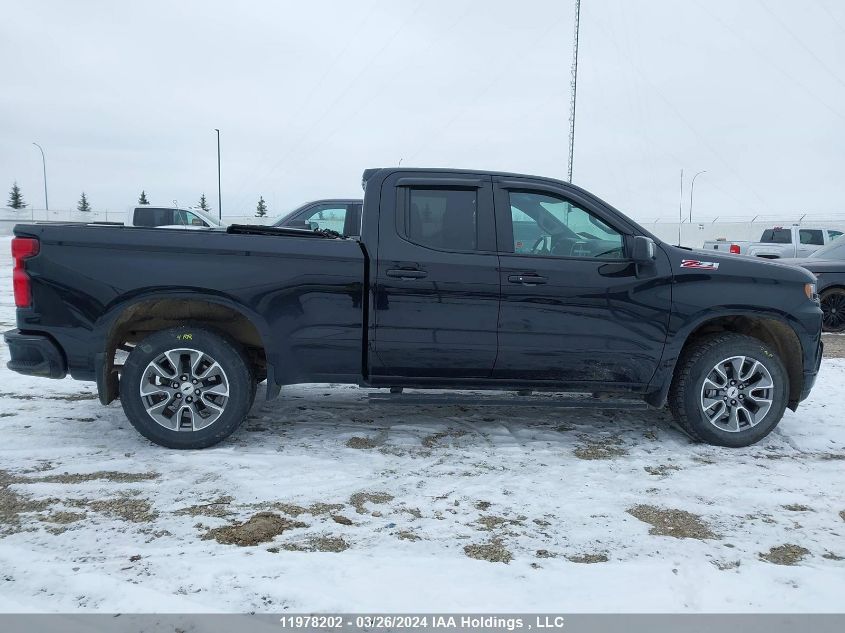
pixel 560 402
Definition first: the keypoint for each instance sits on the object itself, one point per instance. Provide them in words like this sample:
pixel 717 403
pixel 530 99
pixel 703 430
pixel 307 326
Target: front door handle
pixel 527 279
pixel 406 273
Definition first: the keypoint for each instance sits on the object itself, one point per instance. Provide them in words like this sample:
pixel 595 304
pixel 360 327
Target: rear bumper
pixel 35 355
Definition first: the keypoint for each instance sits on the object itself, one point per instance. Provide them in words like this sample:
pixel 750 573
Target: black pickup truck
pixel 459 280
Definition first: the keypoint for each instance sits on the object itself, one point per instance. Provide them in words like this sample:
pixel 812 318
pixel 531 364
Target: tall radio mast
pixel 573 89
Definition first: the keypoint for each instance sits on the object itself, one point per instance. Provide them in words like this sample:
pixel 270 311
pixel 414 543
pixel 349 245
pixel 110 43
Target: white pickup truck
pixel 157 216
pixel 779 242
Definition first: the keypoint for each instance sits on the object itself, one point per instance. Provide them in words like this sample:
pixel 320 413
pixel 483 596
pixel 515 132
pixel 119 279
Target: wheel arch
pixel 129 321
pixel 771 329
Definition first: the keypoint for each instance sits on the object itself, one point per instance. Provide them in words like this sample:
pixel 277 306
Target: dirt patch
pixel 492 552
pixel 832 556
pixel 482 505
pixel 259 528
pixel 797 507
pixel 217 509
pixel 492 522
pixel 124 508
pixel 328 544
pixel 588 558
pixel 662 470
pixel 342 520
pixel 433 440
pixel 108 475
pixel 362 443
pixel 725 565
pixel 360 498
pixel 12 505
pixel 842 515
pixel 834 346
pixel 407 535
pixel 604 448
pixel 63 518
pixel 671 522
pixel 544 553
pixel 315 509
pixel 787 554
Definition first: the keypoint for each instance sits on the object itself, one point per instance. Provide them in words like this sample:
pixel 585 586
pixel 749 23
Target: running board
pixel 560 402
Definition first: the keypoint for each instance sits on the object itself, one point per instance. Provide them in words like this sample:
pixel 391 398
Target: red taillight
pixel 22 248
pixel 735 249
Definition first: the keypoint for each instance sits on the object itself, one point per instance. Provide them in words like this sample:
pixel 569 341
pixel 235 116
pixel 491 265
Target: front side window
pixel 444 219
pixel 811 236
pixel 545 225
pixel 834 234
pixel 327 216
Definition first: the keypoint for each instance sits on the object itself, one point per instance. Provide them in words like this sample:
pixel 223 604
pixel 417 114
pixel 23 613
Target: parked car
pixel 340 215
pixel 435 293
pixel 828 264
pixel 779 242
pixel 735 247
pixel 157 216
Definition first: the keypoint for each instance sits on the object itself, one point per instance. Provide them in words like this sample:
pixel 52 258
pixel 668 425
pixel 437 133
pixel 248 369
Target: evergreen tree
pixel 83 205
pixel 16 197
pixel 143 198
pixel 203 204
pixel 261 209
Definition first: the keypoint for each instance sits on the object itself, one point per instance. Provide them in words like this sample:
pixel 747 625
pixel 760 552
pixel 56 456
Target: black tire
pixel 230 358
pixel 694 366
pixel 833 307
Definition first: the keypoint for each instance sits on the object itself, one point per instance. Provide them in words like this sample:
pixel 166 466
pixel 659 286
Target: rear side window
pixel 777 236
pixel 811 236
pixel 834 234
pixel 151 216
pixel 444 219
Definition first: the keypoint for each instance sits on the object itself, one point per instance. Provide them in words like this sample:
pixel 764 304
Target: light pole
pixel 691 189
pixel 219 195
pixel 44 166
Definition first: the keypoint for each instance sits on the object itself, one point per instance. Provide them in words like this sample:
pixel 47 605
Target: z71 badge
pixel 694 263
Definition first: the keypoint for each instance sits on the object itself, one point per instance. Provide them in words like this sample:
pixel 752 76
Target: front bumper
pixel 35 355
pixel 810 375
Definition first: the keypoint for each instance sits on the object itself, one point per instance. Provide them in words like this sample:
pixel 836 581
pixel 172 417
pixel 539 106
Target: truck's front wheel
pixel 186 387
pixel 729 390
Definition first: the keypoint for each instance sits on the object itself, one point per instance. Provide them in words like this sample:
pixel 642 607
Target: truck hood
pixel 730 264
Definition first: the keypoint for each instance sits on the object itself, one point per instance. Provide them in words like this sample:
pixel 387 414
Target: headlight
pixel 810 291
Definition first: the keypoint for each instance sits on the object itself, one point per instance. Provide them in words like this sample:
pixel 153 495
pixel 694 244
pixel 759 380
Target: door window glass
pixel 327 216
pixel 834 234
pixel 777 235
pixel 443 218
pixel 811 236
pixel 545 225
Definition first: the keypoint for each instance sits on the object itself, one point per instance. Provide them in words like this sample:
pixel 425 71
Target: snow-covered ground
pixel 382 507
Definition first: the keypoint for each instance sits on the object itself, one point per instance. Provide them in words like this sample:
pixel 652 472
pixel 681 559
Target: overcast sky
pixel 124 96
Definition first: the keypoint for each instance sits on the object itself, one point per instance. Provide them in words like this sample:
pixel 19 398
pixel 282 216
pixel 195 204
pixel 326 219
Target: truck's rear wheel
pixel 186 387
pixel 729 390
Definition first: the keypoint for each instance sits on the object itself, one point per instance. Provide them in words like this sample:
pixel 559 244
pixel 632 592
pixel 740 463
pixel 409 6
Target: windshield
pixel 834 250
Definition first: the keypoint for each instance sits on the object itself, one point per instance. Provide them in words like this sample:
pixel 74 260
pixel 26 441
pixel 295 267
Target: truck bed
pixel 304 295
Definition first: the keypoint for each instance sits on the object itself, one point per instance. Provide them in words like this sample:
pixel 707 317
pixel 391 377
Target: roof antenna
pixel 400 162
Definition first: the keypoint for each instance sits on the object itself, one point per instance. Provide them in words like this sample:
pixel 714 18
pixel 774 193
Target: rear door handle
pixel 403 273
pixel 527 279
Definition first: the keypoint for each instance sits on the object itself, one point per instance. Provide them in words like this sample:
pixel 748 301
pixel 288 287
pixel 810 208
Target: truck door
pixel 435 299
pixel 809 241
pixel 575 309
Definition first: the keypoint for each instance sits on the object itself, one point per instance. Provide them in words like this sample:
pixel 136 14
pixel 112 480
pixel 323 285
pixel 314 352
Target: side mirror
pixel 643 249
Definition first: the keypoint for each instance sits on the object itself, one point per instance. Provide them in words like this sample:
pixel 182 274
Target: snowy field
pixel 324 502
